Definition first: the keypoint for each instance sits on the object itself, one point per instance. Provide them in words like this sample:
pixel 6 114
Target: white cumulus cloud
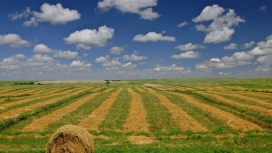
pixel 80 64
pixel 219 36
pixel 264 68
pixel 56 14
pixel 13 40
pixel 221 28
pixel 231 46
pixel 31 22
pixel 141 7
pixel 87 38
pixel 265 59
pixel 42 49
pixel 249 45
pixel 153 37
pixel 189 47
pixel 19 56
pixel 102 59
pixel 187 55
pixel 65 54
pixel 134 58
pixel 263 47
pixel 117 50
pixel 209 13
pixel 237 59
pixel 17 15
pixel 173 67
pixel 182 24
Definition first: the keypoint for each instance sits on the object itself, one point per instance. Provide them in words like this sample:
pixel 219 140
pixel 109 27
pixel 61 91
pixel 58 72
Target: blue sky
pixel 133 39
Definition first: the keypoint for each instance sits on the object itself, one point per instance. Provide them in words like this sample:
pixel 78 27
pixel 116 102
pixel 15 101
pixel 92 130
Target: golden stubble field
pixel 137 117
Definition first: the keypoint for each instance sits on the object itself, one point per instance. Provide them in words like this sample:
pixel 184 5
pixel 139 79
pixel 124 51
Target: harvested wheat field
pixel 145 117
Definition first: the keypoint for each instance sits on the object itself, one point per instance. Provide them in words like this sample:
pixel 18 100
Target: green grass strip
pixel 80 114
pixel 203 117
pixel 116 118
pixel 8 122
pixel 254 117
pixel 158 117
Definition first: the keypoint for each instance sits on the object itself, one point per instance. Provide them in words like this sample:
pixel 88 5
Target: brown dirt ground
pixel 28 99
pixel 141 139
pixel 261 110
pixel 182 119
pixel 233 121
pixel 136 121
pixel 93 121
pixel 16 112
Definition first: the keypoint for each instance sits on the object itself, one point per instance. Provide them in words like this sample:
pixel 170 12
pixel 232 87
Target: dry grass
pixel 70 139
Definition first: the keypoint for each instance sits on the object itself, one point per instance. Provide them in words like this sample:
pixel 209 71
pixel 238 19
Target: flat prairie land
pixel 155 115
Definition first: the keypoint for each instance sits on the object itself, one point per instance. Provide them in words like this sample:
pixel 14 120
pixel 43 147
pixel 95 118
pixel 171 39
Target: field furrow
pixel 264 97
pixel 15 90
pixel 42 123
pixel 140 89
pixel 107 90
pixel 116 118
pixel 182 119
pixel 38 92
pixel 97 89
pixel 258 109
pixel 93 121
pixel 28 99
pixel 231 120
pixel 16 93
pixel 249 99
pixel 16 112
pixel 6 90
pixel 136 121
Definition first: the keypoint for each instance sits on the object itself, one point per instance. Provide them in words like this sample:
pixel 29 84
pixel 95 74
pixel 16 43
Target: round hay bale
pixel 72 139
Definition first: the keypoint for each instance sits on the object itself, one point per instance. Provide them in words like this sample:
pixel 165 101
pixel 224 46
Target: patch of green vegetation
pixel 80 114
pixel 158 117
pixel 258 83
pixel 118 113
pixel 35 101
pixel 244 101
pixel 168 138
pixel 200 115
pixel 8 122
pixel 17 128
pixel 257 118
pixel 12 82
